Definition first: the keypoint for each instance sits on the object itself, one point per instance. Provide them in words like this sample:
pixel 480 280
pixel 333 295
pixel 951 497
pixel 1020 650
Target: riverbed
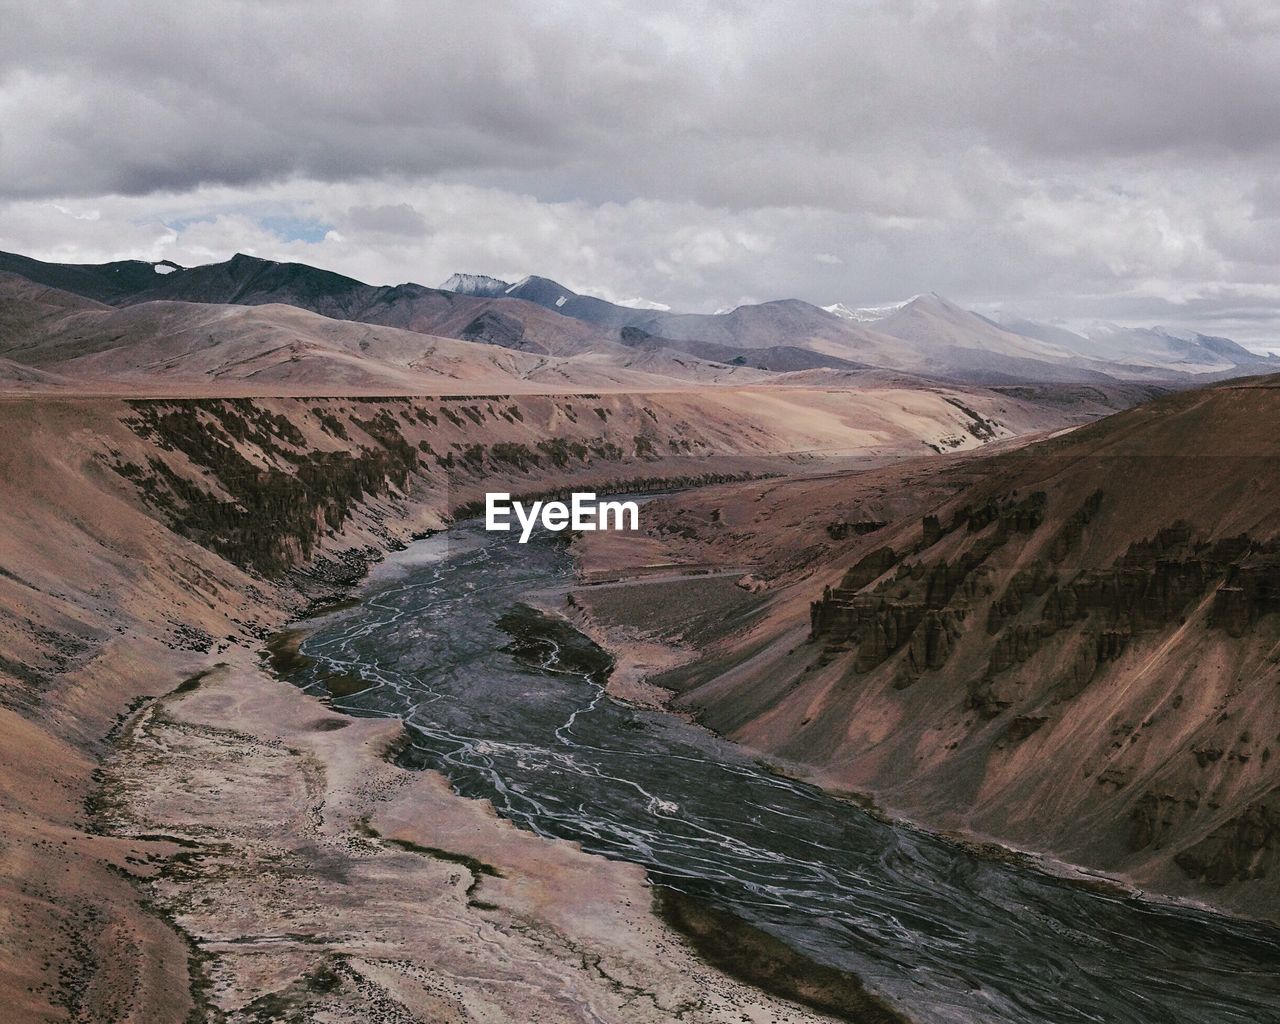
pixel 509 704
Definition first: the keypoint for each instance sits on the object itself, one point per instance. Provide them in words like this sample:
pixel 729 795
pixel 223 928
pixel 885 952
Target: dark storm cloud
pixel 136 97
pixel 697 153
pixel 132 97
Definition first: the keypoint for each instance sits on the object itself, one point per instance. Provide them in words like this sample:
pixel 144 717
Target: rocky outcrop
pixel 1132 597
pixel 931 644
pixel 1244 848
pixel 1152 586
pixel 1014 646
pixel 826 612
pixel 1157 816
pixel 1029 583
pixel 876 626
pixel 1067 539
pixel 753 584
pixel 1023 727
pixel 931 531
pixel 1010 514
pixel 842 529
pixel 265 514
pixel 1248 593
pixel 494 328
pixel 923 605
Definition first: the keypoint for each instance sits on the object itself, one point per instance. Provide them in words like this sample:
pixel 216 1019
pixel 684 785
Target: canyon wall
pixel 1073 648
pixel 143 540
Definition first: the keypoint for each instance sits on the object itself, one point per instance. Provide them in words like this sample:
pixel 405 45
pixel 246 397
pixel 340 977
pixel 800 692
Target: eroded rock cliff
pixel 1073 647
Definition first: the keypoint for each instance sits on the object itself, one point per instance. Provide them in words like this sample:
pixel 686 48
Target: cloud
pixel 730 103
pixel 1072 159
pixel 387 219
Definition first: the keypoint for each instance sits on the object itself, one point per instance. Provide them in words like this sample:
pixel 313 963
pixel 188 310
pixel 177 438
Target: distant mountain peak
pixel 476 284
pixel 928 300
pixel 542 290
pixel 642 303
pixel 867 314
pixel 926 333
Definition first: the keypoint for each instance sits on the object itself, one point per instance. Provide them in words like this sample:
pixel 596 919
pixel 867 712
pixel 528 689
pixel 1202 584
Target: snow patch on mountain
pixel 475 284
pixel 639 303
pixel 867 314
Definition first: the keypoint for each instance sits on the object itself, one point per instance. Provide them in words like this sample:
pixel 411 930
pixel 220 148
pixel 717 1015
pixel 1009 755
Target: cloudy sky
pixel 1116 159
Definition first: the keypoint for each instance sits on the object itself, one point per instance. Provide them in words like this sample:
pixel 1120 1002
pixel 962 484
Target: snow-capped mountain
pixel 475 284
pixel 866 314
pixel 641 303
pixel 925 335
pixel 1185 350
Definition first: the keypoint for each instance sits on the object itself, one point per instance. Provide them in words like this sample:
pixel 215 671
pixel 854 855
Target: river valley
pixel 508 703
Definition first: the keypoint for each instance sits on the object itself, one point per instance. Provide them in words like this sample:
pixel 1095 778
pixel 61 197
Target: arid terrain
pixel 1072 647
pixel 1068 646
pixel 149 541
pixel 634 513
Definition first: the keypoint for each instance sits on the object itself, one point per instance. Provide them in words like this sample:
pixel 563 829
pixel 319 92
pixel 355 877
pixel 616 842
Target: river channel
pixel 508 704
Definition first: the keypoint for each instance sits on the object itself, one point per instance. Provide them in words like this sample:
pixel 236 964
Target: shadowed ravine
pixel 507 703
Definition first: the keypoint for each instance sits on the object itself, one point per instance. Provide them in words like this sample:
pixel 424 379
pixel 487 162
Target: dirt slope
pixel 144 541
pixel 170 343
pixel 1073 647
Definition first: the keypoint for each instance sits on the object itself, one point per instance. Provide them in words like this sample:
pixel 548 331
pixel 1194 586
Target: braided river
pixel 509 704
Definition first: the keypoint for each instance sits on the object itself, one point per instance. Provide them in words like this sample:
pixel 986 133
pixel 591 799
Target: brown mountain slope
pixel 930 320
pixel 163 343
pixel 927 336
pixel 57 341
pixel 29 310
pixel 187 342
pixel 1073 647
pixel 248 280
pixel 145 542
pixel 16 377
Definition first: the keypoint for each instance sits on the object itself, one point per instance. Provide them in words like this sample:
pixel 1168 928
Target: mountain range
pixel 897 556
pixel 928 336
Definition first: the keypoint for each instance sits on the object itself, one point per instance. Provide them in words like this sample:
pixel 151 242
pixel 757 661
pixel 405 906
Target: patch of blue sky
pixel 296 229
pixel 285 227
